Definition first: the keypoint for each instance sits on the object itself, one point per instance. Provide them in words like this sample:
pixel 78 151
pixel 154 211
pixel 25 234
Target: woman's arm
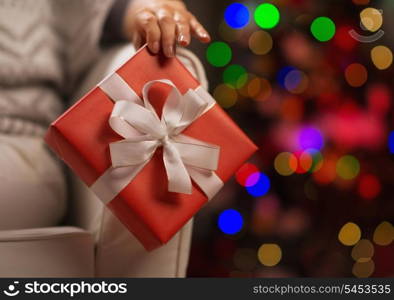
pixel 161 24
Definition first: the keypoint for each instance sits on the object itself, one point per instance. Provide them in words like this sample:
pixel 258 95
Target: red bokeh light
pixel 244 172
pixel 369 186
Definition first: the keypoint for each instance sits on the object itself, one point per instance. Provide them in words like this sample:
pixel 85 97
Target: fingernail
pixel 182 40
pixel 204 35
pixel 169 51
pixel 155 47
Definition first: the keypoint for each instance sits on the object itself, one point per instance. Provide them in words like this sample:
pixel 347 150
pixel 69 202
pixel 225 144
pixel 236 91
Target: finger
pixel 167 26
pixel 182 29
pixel 137 41
pixel 199 31
pixel 151 30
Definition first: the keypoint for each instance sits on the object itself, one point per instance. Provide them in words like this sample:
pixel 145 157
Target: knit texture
pixel 45 46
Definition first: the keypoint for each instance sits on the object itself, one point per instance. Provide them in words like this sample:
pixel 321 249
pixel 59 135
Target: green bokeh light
pixel 266 15
pixel 219 54
pixel 235 76
pixel 323 29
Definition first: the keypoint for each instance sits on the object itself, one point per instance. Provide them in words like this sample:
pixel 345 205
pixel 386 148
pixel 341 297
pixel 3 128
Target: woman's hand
pixel 162 24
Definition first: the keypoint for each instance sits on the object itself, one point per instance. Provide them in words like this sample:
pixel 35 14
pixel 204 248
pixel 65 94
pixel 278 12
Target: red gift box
pixel 81 137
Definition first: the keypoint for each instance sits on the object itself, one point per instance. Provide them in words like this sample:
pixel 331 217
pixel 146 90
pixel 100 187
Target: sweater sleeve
pixel 112 32
pixel 81 24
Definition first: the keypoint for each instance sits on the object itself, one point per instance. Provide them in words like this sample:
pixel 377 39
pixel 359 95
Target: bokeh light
pixel 349 234
pixel 310 138
pixel 281 76
pixel 348 167
pixel 235 76
pixel 265 91
pixel 219 54
pixel 266 15
pixel 269 255
pixel 391 142
pixel 383 234
pixel 323 29
pixel 304 161
pixel 244 172
pixel 296 81
pixel 292 109
pixel 243 90
pixel 379 99
pixel 317 159
pixel 344 40
pixel 260 42
pixel 369 186
pixel 256 88
pixel 356 75
pixel 237 15
pixel 371 19
pixel 363 251
pixel 382 57
pixel 252 179
pixel 230 221
pixel 315 94
pixel 285 163
pixel 261 186
pixel 327 173
pixel 225 95
pixel 363 269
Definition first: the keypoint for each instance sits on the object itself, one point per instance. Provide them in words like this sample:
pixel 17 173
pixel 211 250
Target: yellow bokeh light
pixel 348 167
pixel 371 18
pixel 363 269
pixel 349 234
pixel 382 57
pixel 285 163
pixel 225 95
pixel 384 234
pixel 260 42
pixel 269 254
pixel 363 251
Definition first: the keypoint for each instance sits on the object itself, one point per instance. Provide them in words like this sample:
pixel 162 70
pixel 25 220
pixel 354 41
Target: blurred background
pixel 311 82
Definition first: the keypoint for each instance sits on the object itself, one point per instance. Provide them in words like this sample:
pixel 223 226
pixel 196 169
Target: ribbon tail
pixel 178 178
pixel 114 180
pixel 207 180
pixel 197 153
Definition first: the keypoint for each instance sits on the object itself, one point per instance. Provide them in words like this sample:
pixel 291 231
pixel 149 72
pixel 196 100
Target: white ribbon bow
pixel 184 158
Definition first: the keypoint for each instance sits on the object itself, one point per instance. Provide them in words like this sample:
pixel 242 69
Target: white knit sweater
pixel 45 45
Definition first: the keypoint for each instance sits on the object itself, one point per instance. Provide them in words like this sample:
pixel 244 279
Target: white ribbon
pixel 136 120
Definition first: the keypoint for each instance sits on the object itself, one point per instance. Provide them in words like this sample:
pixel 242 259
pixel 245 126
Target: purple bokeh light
pixel 310 138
